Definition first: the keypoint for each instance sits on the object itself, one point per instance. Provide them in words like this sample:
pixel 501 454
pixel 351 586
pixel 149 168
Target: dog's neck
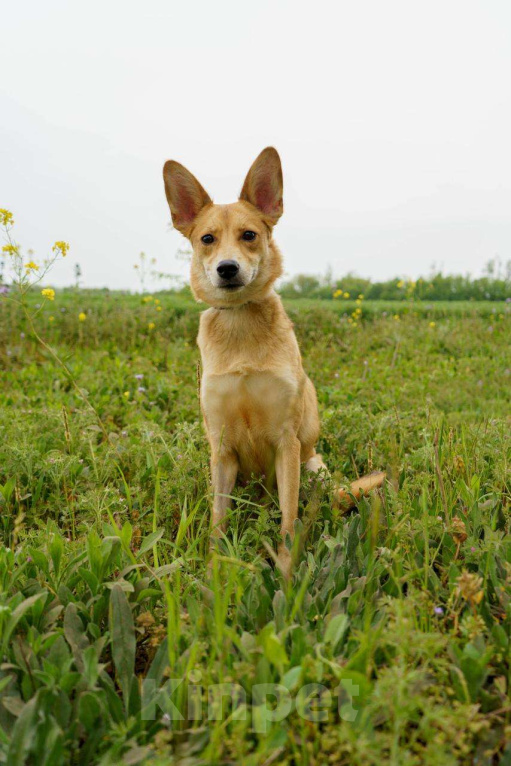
pixel 257 319
pixel 254 306
pixel 248 337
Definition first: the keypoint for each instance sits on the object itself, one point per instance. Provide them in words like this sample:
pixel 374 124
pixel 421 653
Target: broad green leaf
pixel 279 609
pixel 126 533
pixel 17 615
pixel 23 734
pixel 56 550
pixel 90 578
pixel 292 677
pixel 160 663
pixel 273 647
pixel 40 560
pixel 335 630
pixel 122 631
pixel 75 634
pixel 149 541
pixel 125 585
pixel 167 569
pixel 89 709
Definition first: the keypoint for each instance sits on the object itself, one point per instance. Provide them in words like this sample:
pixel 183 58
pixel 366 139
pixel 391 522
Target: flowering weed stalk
pixel 25 277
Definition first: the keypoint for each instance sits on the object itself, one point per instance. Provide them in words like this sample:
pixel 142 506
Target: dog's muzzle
pixel 228 272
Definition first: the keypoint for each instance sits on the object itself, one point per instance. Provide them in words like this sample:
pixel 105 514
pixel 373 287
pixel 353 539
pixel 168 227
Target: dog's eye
pixel 208 239
pixel 249 236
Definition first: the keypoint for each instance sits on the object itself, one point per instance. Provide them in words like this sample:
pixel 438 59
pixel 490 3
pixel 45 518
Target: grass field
pixel 391 645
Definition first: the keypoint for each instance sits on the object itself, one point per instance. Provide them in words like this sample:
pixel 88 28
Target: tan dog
pixel 259 406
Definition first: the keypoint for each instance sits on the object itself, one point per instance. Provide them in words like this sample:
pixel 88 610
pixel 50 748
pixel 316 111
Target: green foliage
pixel 113 629
pixel 495 285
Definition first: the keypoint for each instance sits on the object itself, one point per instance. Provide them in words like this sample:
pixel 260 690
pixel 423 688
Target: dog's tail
pixel 346 498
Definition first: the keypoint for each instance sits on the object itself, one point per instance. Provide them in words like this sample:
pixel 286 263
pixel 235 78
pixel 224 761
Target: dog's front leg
pixel 287 467
pixel 224 469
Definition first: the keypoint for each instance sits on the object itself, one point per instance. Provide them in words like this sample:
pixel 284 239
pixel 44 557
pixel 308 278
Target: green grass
pixel 104 590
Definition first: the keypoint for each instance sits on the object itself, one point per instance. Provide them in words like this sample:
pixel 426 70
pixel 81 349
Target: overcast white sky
pixel 392 118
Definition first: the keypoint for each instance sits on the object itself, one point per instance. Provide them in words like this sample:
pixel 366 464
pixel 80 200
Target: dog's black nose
pixel 227 269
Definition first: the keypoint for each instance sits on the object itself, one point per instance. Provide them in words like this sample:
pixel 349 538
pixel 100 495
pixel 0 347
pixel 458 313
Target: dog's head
pixel 234 258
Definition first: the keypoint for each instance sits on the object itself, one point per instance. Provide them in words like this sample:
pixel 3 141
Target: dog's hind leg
pixel 309 431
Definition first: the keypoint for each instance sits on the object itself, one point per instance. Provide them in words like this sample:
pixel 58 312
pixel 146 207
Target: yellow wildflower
pixel 337 293
pixel 82 316
pixel 126 394
pixel 432 324
pixel 396 317
pixel 147 299
pixel 31 266
pixel 10 249
pixel 151 326
pixel 51 319
pixel 61 247
pixel 6 218
pixel 361 297
pixel 158 308
pixel 400 283
pixel 346 295
pixel 48 293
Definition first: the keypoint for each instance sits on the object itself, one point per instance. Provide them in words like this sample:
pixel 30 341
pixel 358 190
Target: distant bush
pixel 495 285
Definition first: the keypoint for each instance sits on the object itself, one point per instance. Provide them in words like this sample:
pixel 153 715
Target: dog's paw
pixel 315 465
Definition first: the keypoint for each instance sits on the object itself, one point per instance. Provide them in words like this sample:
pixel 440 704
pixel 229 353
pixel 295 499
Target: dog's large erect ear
pixel 263 185
pixel 185 195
